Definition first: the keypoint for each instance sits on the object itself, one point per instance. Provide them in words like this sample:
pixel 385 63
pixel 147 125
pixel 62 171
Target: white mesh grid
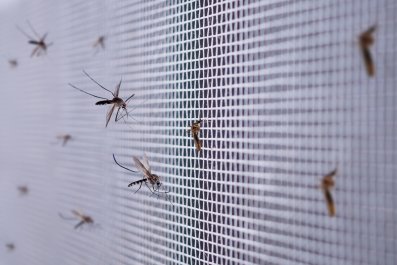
pixel 285 98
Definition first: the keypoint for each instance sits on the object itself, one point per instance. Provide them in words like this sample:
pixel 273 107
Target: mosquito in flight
pixel 115 102
pixel 13 63
pixel 23 190
pixel 10 246
pixel 327 183
pixel 366 41
pixel 39 42
pixel 149 178
pixel 100 42
pixel 194 130
pixel 82 218
pixel 65 138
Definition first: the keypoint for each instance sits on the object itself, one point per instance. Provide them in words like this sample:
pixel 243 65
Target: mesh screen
pixel 285 99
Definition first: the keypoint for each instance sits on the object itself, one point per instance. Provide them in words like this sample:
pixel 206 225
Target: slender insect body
pixel 366 40
pixel 149 179
pixel 154 180
pixel 38 41
pixel 10 246
pixel 327 184
pixel 119 102
pixel 195 130
pixel 65 138
pixel 13 63
pixel 82 218
pixel 23 190
pixel 116 101
pixel 100 42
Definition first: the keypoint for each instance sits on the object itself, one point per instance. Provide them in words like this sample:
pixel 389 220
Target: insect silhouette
pixel 194 130
pixel 13 63
pixel 327 183
pixel 82 218
pixel 39 42
pixel 65 138
pixel 366 40
pixel 115 102
pixel 23 190
pixel 10 246
pixel 99 43
pixel 151 180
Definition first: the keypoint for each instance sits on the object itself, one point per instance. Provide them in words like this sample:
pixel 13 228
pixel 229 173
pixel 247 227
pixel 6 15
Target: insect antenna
pixel 114 158
pixel 86 92
pixel 93 80
pixel 33 30
pixel 24 33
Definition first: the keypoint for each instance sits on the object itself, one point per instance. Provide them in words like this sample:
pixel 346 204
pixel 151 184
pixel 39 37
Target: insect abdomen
pixel 104 102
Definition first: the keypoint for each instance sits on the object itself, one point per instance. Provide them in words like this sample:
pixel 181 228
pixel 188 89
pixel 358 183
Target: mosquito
pixel 10 246
pixel 327 183
pixel 149 178
pixel 366 40
pixel 13 63
pixel 100 42
pixel 23 190
pixel 39 42
pixel 194 130
pixel 65 138
pixel 82 218
pixel 116 102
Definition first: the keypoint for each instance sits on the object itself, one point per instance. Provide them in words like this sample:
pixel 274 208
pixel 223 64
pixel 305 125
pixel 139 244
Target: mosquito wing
pixel 197 141
pixel 109 114
pixel 77 214
pixel 146 163
pixel 368 61
pixel 370 31
pixel 116 91
pixel 44 36
pixel 330 202
pixel 141 167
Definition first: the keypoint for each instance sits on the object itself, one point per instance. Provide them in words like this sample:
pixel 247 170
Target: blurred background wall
pixel 286 99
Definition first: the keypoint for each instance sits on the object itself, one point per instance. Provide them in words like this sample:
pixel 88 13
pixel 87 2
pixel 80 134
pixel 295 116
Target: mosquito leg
pixel 117 114
pixel 139 188
pixel 149 189
pixel 79 224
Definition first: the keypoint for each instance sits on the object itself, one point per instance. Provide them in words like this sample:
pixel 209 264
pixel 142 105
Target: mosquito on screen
pixel 78 216
pixel 194 130
pixel 115 102
pixel 151 181
pixel 10 246
pixel 99 43
pixel 65 138
pixel 13 63
pixel 23 190
pixel 366 40
pixel 39 42
pixel 327 183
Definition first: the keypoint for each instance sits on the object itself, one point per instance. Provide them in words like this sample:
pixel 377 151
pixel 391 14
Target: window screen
pixel 284 97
